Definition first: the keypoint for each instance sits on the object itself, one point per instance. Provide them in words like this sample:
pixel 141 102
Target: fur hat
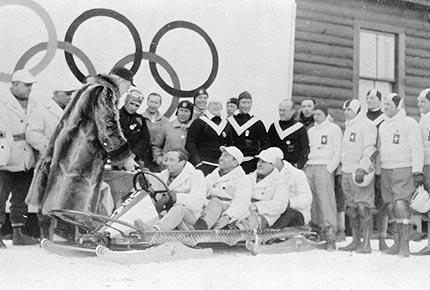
pixel 376 93
pixel 353 104
pixel 201 91
pixel 396 99
pixel 321 107
pixel 186 105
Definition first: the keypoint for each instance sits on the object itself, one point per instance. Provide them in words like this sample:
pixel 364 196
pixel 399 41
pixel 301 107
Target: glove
pixel 359 175
pixel 162 200
pixel 418 179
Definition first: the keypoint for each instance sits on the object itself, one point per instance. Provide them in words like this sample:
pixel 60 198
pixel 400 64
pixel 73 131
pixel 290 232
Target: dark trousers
pixel 338 193
pixel 17 184
pixel 290 218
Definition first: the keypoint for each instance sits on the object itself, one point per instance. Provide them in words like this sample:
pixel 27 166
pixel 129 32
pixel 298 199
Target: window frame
pixel 399 50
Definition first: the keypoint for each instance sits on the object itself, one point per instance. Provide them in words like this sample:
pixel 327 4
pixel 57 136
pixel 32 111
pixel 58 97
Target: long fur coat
pixel 69 173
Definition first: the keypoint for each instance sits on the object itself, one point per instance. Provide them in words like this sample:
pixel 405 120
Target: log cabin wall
pixel 325 56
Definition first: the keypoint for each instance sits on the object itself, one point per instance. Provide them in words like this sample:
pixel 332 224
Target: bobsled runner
pixel 117 238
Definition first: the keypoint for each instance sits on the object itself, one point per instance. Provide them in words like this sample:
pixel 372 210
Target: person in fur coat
pixel 69 172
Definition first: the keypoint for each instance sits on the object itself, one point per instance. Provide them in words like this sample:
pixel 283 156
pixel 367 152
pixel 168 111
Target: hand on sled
pixel 359 175
pixel 129 164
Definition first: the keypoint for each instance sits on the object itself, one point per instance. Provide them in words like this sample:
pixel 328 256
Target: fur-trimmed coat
pixel 69 173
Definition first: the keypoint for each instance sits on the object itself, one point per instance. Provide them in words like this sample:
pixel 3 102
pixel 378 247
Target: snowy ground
pixel 33 268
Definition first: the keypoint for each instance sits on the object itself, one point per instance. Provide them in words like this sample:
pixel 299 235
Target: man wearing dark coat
pixel 305 116
pixel 69 173
pixel 249 134
pixel 290 136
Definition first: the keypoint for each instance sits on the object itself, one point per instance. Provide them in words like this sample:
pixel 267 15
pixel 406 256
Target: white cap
pixel 233 151
pixel 277 152
pixel 23 76
pixel 268 156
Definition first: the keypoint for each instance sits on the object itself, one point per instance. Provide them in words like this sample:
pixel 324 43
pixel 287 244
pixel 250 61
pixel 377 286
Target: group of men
pixel 222 171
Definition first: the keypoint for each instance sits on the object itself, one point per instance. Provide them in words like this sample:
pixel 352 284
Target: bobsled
pixel 117 237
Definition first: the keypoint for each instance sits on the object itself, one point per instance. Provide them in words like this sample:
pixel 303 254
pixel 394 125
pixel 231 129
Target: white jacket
pixel 400 143
pixel 189 186
pixel 42 122
pixel 300 192
pixel 14 122
pixel 358 144
pixel 270 195
pixel 325 141
pixel 425 131
pixel 234 187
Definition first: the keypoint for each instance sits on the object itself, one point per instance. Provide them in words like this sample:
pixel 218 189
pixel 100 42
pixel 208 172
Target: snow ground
pixel 31 267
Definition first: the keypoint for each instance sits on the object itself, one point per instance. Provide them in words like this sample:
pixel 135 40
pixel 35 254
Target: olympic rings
pixel 169 69
pixel 153 48
pixel 109 13
pixel 66 46
pixel 51 47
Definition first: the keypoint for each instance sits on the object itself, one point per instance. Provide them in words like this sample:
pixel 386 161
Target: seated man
pixel 270 194
pixel 188 188
pixel 228 191
pixel 298 212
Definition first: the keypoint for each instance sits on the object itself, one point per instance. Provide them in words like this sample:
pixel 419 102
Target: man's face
pixel 319 116
pixel 245 105
pixel 423 105
pixel 214 109
pixel 373 102
pixel 132 106
pixel 153 103
pixel 226 161
pixel 184 115
pixel 201 101
pixel 171 161
pixel 21 90
pixel 307 107
pixel 286 111
pixel 231 108
pixel 349 114
pixel 264 168
pixel 389 108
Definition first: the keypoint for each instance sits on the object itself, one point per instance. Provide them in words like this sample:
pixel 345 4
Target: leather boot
pixel 394 249
pixel 340 235
pixel 2 244
pixel 355 235
pixel 366 226
pixel 381 224
pixel 20 239
pixel 404 239
pixel 425 251
pixel 330 238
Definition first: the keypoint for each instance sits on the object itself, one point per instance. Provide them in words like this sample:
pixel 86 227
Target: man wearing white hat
pixel 358 147
pixel 229 192
pixel 16 172
pixel 402 156
pixel 270 194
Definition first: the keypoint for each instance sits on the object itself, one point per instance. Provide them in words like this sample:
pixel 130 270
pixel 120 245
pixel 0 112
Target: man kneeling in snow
pixel 270 194
pixel 228 191
pixel 188 188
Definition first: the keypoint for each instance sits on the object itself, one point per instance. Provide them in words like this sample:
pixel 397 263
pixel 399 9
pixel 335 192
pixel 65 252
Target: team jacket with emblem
pixel 292 138
pixel 359 144
pixel 137 134
pixel 205 135
pixel 425 130
pixel 14 123
pixel 325 141
pixel 176 135
pixel 189 186
pixel 249 134
pixel 234 187
pixel 300 192
pixel 270 195
pixel 400 143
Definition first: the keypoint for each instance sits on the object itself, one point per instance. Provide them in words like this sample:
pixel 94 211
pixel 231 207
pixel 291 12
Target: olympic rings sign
pixel 70 50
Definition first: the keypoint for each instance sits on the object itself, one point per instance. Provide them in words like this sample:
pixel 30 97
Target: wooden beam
pixel 320 70
pixel 326 93
pixel 313 48
pixel 324 39
pixel 319 27
pixel 322 81
pixel 410 71
pixel 318 59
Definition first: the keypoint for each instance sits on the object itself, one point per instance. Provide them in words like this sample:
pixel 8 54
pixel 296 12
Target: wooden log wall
pixel 323 59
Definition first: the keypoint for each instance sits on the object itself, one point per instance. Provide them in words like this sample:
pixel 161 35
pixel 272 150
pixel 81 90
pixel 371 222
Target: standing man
pixel 290 136
pixel 249 134
pixel 200 103
pixel 232 106
pixel 376 116
pixel 306 113
pixel 325 140
pixel 206 135
pixel 358 147
pixel 157 124
pixel 69 173
pixel 176 134
pixel 17 171
pixel 402 159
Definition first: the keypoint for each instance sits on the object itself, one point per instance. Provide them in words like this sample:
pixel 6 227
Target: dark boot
pixel 394 249
pixel 381 224
pixel 20 239
pixel 426 250
pixel 355 227
pixel 200 224
pixel 382 244
pixel 404 239
pixel 366 232
pixel 2 245
pixel 340 235
pixel 330 238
